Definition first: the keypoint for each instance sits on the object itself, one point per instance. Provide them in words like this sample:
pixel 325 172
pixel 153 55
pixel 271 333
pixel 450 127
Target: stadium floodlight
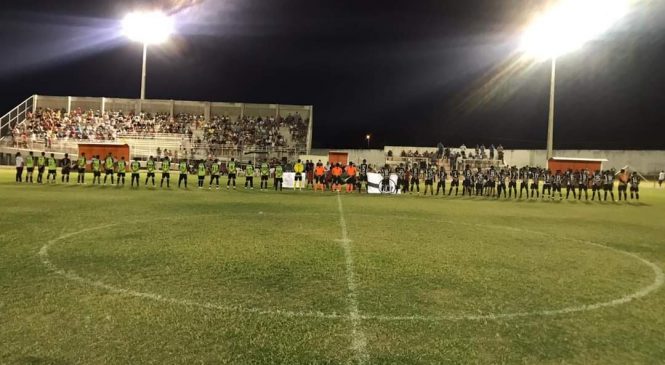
pixel 147 27
pixel 564 28
pixel 368 137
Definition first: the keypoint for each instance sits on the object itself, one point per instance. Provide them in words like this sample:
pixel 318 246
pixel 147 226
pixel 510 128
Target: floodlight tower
pixel 565 27
pixel 147 27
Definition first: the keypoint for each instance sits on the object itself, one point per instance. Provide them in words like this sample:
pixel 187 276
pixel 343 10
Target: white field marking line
pixel 659 280
pixel 359 341
pixel 71 275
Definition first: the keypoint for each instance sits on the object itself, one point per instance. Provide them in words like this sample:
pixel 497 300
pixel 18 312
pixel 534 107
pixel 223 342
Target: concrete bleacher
pixel 192 114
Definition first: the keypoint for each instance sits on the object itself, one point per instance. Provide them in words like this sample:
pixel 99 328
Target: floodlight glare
pixel 569 24
pixel 150 27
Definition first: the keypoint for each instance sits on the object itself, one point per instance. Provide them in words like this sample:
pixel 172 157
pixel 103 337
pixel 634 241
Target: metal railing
pixel 15 116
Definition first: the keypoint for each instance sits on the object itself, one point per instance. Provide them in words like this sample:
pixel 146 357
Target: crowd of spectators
pixel 49 125
pixel 254 131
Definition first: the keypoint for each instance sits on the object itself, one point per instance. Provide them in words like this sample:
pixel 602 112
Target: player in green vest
pixel 109 163
pixel 80 165
pixel 182 167
pixel 66 164
pixel 135 166
pixel 201 172
pixel 214 174
pixel 52 165
pixel 231 169
pixel 265 173
pixel 279 176
pixel 122 169
pixel 41 166
pixel 30 166
pixel 249 175
pixel 166 172
pixel 96 169
pixel 150 165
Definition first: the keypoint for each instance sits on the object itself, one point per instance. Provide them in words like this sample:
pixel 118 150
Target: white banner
pixel 288 179
pixel 374 182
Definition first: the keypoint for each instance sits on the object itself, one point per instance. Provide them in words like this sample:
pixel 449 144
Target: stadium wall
pixel 646 162
pixel 373 157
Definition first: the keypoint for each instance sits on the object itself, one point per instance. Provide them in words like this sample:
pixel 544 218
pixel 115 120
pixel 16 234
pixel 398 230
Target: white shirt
pixel 661 176
pixel 19 161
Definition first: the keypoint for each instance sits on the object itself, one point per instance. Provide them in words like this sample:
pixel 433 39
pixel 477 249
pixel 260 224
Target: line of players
pixel 490 182
pixel 116 170
pixel 493 182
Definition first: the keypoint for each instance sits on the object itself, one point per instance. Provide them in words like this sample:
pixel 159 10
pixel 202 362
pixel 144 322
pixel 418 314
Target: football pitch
pixel 106 275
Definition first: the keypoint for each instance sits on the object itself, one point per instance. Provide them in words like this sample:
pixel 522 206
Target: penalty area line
pixel 359 341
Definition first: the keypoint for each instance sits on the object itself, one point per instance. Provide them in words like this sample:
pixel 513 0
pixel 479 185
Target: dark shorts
pixel 595 187
pixel 151 174
pixel 298 176
pixel 135 174
pixel 635 188
pixel 362 178
pixel 512 184
pixel 429 182
pixel 232 176
pixel 607 187
pixel 454 182
pixel 534 186
pixel 583 186
pixel 65 171
pixel 336 179
pixel 319 179
pixel 264 177
pixel 623 187
pixel 351 180
pixel 547 186
pixel 108 172
pixel 466 182
pixel 121 174
pixel 96 173
pixel 40 169
pixel 81 171
pixel 166 175
pixel 30 170
pixel 51 172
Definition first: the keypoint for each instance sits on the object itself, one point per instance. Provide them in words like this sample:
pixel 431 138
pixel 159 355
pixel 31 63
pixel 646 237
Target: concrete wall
pixel 646 162
pixel 374 157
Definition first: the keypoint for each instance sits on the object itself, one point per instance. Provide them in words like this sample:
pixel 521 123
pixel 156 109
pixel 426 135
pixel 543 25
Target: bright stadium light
pixel 566 27
pixel 150 27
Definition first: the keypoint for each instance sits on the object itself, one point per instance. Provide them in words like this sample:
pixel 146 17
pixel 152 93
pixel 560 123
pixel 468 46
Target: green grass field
pixel 101 275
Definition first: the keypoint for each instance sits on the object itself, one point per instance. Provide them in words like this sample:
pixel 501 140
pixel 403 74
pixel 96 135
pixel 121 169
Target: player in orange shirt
pixel 351 180
pixel 337 178
pixel 319 176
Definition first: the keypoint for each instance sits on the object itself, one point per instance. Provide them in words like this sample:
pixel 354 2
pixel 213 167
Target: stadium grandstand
pixel 154 127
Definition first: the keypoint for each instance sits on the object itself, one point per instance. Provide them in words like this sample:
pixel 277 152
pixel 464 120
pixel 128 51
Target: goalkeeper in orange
pixel 351 172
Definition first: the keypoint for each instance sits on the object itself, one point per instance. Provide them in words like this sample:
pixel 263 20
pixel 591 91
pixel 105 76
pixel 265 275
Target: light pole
pixel 368 137
pixel 147 27
pixel 565 27
pixel 550 119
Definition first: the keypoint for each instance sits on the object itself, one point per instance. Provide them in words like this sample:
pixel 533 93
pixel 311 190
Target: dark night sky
pixel 408 72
